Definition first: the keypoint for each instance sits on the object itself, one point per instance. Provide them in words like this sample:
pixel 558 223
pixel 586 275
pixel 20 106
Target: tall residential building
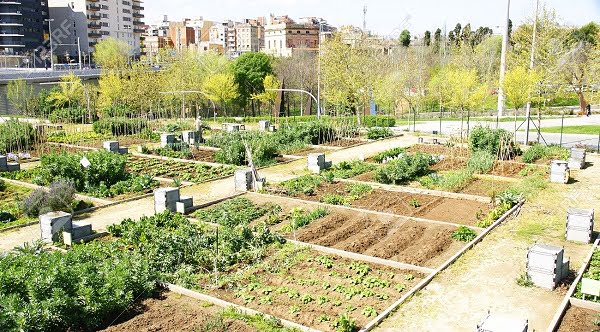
pixel 181 35
pixel 23 28
pixel 283 35
pixel 90 21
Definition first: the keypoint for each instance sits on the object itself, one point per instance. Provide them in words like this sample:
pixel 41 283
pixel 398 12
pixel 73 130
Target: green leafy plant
pixel 524 280
pixel 481 162
pixel 464 234
pixel 405 169
pixel 306 184
pixel 415 203
pixel 379 133
pixel 350 169
pixel 489 140
pixel 388 154
pixel 344 324
pixel 369 312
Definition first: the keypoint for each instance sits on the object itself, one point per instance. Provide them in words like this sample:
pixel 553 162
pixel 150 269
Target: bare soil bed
pixel 343 142
pixel 172 312
pixel 485 187
pixel 307 151
pixel 451 210
pixel 579 319
pixel 306 287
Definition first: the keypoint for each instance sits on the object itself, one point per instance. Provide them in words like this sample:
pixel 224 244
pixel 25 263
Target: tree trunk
pixel 253 110
pixel 582 102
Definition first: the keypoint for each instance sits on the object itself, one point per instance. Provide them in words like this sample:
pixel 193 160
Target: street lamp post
pixel 50 20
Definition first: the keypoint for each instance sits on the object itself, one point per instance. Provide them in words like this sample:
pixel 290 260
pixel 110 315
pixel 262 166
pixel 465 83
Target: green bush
pixel 540 151
pixel 264 150
pixel 306 184
pixel 15 136
pixel 488 140
pixel 464 234
pixel 77 290
pixel 379 133
pixel 116 111
pixel 391 153
pixel 350 169
pixel 405 169
pixel 481 162
pixel 120 126
pixel 69 115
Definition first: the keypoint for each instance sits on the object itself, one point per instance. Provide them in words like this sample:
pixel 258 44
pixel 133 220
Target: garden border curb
pixel 513 212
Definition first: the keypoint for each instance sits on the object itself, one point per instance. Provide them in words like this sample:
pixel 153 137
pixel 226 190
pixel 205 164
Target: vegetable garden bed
pixel 177 170
pixel 11 196
pixel 168 311
pixel 371 234
pixel 314 188
pixel 579 319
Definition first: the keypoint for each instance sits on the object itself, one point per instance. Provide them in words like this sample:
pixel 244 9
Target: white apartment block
pixel 94 20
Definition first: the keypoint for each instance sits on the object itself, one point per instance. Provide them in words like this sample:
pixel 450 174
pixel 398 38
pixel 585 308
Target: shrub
pixel 489 140
pixel 2 185
pixel 59 197
pixel 378 121
pixel 464 234
pixel 306 184
pixel 118 126
pixel 379 133
pixel 115 111
pixel 175 150
pixel 345 324
pixel 15 135
pixel 233 151
pixel 68 115
pixel 540 151
pixel 481 162
pixel 388 154
pixel 405 169
pixel 6 217
pixel 346 170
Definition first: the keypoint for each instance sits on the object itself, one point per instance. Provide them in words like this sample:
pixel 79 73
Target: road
pixel 569 140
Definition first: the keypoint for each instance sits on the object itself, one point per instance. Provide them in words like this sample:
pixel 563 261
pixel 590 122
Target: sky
pixel 386 18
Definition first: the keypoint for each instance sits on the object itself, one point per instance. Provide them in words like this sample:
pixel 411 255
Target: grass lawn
pixel 585 130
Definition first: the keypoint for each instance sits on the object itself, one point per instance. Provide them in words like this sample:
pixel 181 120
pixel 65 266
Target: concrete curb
pixel 374 323
pixel 207 298
pixel 564 305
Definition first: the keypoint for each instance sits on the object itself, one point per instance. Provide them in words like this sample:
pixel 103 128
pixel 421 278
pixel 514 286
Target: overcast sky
pixel 383 17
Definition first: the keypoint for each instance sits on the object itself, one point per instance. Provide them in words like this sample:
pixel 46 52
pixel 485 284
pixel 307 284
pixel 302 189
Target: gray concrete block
pixel 3 163
pixel 124 150
pixel 166 139
pixel 264 125
pixel 232 127
pixel 545 265
pixel 80 230
pixel 52 223
pixel 559 171
pixel 165 199
pixel 243 179
pixel 316 162
pixel 502 323
pixel 13 167
pixel 189 137
pixel 578 154
pixel 111 146
pixel 576 164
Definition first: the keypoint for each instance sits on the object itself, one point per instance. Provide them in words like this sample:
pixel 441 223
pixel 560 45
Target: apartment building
pixel 283 35
pixel 181 35
pixel 23 28
pixel 90 21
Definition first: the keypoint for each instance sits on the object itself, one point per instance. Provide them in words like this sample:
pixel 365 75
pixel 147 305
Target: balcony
pixel 94 25
pixel 138 30
pixel 136 7
pixel 94 8
pixel 137 15
pixel 95 35
pixel 93 0
pixel 95 17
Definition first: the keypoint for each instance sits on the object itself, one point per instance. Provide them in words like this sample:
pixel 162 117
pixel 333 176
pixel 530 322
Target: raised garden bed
pixel 344 142
pixel 406 204
pixel 168 311
pixel 437 149
pixel 10 199
pixel 371 234
pixel 172 169
pixel 579 319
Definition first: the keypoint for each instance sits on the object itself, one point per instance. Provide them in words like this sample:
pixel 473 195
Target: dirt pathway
pixel 485 278
pixel 202 193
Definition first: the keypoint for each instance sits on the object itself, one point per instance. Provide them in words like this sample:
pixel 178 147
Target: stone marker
pixel 166 139
pixel 111 146
pixel 243 179
pixel 52 223
pixel 166 199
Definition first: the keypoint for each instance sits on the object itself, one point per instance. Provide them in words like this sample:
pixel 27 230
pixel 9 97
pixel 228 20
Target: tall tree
pixel 405 38
pixel 250 70
pixel 269 97
pixel 437 39
pixel 427 38
pixel 221 88
pixel 457 33
pixel 520 86
pixel 69 93
pixel 112 54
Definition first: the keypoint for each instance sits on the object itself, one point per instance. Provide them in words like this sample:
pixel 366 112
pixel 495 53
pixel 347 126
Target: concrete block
pixel 124 150
pixel 166 199
pixel 580 225
pixel 111 146
pixel 166 139
pixel 184 204
pixel 243 179
pixel 51 224
pixel 545 265
pixel 80 230
pixel 559 171
pixel 576 164
pixel 189 137
pixel 272 128
pixel 232 127
pixel 3 163
pixel 13 167
pixel 316 162
pixel 578 154
pixel 264 125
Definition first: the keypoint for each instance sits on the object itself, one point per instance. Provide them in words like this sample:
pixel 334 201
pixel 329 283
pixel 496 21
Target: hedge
pixel 367 121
